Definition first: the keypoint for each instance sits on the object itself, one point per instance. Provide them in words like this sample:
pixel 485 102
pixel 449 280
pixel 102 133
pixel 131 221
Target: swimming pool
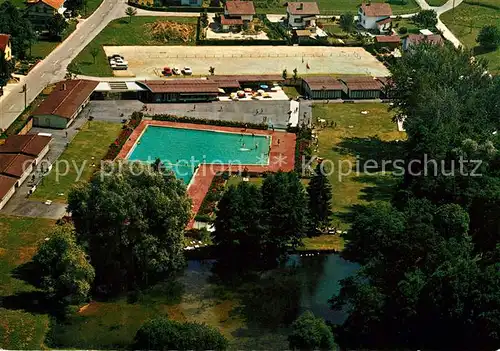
pixel 182 150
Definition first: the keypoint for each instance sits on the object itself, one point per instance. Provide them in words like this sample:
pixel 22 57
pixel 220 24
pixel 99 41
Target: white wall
pixel 42 154
pixel 291 21
pixel 25 175
pixel 7 196
pixel 247 18
pixel 369 22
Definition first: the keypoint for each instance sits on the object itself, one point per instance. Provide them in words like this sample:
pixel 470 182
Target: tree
pixel 75 6
pixel 63 269
pixel 211 70
pixel 426 18
pixel 284 206
pixel 12 22
pixel 347 22
pixel 56 26
pixel 320 196
pixel 489 37
pixel 6 69
pixel 204 19
pixel 130 12
pixel 310 333
pixel 131 219
pixel 94 52
pixel 295 74
pixel 72 71
pixel 284 74
pixel 164 334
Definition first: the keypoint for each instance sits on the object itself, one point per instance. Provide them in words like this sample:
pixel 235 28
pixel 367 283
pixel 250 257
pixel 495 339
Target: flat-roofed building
pixel 322 87
pixel 361 87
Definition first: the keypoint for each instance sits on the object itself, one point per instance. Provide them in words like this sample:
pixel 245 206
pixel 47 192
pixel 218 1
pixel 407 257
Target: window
pixel 193 2
pixel 297 20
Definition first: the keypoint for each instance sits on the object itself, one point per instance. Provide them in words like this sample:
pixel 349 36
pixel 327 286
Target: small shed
pixel 388 41
pixel 322 87
pixel 361 87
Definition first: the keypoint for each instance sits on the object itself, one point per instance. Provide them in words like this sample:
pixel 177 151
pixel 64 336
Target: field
pixel 121 32
pixel 436 2
pixel 366 137
pixel 466 21
pixel 337 7
pixel 42 48
pixel 20 329
pixel 88 146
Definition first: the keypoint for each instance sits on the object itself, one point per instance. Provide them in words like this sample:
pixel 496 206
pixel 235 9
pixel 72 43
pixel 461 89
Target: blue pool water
pixel 182 150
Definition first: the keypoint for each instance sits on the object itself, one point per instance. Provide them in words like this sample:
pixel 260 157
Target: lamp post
pixel 25 91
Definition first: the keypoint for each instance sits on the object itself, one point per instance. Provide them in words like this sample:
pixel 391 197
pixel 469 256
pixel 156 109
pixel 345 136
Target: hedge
pixel 185 119
pixel 302 148
pixel 116 146
pixel 176 8
pixel 276 30
pixel 234 42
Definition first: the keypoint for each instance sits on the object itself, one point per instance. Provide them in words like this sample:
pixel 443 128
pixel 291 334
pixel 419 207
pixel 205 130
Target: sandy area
pixel 148 61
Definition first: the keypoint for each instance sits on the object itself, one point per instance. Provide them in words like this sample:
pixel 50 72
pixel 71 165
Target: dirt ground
pixel 148 61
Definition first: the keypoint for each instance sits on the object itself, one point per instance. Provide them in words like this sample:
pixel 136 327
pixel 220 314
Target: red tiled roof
pixel 387 39
pixel 240 8
pixel 66 98
pixel 303 8
pixel 6 183
pixel 14 165
pixel 230 21
pixel 4 40
pixel 56 4
pixel 414 39
pixel 323 83
pixel 384 20
pixel 29 144
pixel 376 9
pixel 249 78
pixel 361 83
pixel 180 86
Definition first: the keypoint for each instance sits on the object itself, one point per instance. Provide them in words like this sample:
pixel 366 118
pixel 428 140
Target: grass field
pixel 334 7
pixel 466 21
pixel 88 146
pixel 436 2
pixel 19 238
pixel 121 32
pixel 356 136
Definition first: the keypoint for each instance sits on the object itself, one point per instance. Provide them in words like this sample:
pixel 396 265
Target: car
pixel 176 71
pixel 187 71
pixel 167 71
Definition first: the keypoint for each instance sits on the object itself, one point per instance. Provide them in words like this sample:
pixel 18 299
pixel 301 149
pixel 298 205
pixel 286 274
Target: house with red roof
pixel 375 16
pixel 425 36
pixel 40 11
pixel 300 15
pixel 237 13
pixel 5 46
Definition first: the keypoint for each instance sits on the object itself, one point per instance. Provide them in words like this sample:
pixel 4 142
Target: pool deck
pixel 281 156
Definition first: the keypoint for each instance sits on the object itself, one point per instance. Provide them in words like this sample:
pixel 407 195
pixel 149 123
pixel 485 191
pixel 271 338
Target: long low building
pixel 64 103
pixel 361 87
pixel 18 157
pixel 322 87
pixel 180 90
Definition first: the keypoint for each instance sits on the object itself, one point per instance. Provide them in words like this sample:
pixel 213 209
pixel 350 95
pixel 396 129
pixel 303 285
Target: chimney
pixel 301 6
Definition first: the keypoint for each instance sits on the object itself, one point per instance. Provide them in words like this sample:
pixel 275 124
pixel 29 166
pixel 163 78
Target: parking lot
pixel 148 61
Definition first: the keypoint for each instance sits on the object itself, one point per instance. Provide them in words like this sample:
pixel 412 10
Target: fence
pixel 165 54
pixel 176 8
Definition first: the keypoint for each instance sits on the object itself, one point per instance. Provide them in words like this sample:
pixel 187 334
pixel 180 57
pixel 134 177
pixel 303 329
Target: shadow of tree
pixel 480 50
pixel 383 189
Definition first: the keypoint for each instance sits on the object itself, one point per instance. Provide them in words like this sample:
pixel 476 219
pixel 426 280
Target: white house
pixel 375 16
pixel 236 14
pixel 301 15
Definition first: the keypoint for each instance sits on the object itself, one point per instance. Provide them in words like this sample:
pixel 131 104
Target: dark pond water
pixel 277 297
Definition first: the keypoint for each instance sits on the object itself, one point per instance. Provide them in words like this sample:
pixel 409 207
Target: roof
pixel 384 20
pixel 29 144
pixel 322 83
pixel 230 21
pixel 181 86
pixel 240 8
pixel 14 165
pixel 302 8
pixel 249 78
pixel 376 9
pixel 4 40
pixel 387 39
pixel 385 81
pixel 55 4
pixel 303 33
pixel 414 39
pixel 425 32
pixel 361 83
pixel 6 183
pixel 66 98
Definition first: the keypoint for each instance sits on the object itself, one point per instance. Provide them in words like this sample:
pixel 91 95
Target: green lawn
pixel 436 2
pixel 364 136
pixel 43 48
pixel 91 6
pixel 92 141
pixel 466 21
pixel 412 27
pixel 19 238
pixel 121 32
pixel 334 7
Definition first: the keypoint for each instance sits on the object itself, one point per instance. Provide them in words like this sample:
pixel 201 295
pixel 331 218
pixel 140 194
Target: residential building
pixel 375 16
pixel 361 87
pixel 18 156
pixel 196 3
pixel 5 46
pixel 40 11
pixel 237 14
pixel 424 36
pixel 64 103
pixel 322 87
pixel 387 41
pixel 300 15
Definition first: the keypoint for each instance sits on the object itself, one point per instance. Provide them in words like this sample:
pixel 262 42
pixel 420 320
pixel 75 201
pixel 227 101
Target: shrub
pixel 185 119
pixel 403 30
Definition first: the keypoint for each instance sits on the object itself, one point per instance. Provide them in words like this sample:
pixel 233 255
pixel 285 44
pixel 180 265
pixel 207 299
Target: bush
pixel 403 30
pixel 310 333
pixel 213 196
pixel 302 148
pixel 163 334
pixel 185 119
pixel 116 146
pixel 489 37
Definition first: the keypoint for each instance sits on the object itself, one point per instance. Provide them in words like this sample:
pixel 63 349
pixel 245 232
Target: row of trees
pixel 261 225
pixel 430 274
